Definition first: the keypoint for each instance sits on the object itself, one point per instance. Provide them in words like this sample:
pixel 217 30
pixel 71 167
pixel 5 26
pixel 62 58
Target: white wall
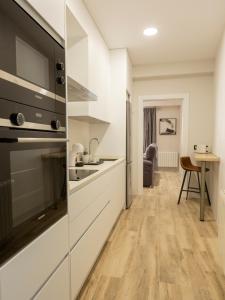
pixel 113 136
pixel 191 68
pixel 78 132
pixel 200 90
pixel 219 129
pixel 168 143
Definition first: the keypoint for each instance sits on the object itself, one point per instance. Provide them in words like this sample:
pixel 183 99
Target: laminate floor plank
pixel 159 250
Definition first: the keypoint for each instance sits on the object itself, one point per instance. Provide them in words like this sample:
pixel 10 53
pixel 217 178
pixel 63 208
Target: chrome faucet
pixel 90 142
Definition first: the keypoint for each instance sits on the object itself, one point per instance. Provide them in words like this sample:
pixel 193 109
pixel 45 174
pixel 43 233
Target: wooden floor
pixel 159 250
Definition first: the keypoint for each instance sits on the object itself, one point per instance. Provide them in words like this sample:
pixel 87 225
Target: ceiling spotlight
pixel 150 31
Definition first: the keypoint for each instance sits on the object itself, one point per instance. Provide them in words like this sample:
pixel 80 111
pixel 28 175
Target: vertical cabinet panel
pixel 53 13
pixel 221 226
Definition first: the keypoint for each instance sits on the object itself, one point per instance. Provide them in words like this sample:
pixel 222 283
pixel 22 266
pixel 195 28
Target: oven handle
pixel 33 140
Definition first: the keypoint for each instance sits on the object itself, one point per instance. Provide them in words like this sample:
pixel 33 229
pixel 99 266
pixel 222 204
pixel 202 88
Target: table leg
pixel 202 200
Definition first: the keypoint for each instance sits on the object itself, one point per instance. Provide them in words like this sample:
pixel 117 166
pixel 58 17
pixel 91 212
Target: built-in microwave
pixel 32 63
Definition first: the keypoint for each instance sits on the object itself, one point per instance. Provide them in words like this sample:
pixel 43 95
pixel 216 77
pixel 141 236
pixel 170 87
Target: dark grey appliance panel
pixel 128 185
pixel 128 131
pixel 128 154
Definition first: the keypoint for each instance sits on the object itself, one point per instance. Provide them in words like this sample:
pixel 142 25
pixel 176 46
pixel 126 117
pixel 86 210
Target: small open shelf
pixel 77 92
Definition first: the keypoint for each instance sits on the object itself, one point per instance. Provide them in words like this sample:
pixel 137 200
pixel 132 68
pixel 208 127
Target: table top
pixel 211 157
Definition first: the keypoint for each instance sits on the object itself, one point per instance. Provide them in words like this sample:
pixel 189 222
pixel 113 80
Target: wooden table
pixel 204 158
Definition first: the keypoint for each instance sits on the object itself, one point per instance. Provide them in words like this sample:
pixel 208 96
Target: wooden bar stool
pixel 187 165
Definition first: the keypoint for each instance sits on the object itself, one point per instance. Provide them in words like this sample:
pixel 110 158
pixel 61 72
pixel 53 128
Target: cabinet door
pixel 25 273
pixel 57 287
pixel 85 253
pixel 52 12
pixel 221 226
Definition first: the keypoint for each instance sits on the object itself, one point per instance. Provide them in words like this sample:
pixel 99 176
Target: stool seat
pixel 187 165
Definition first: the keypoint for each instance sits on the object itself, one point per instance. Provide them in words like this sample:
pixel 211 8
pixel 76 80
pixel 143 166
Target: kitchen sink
pixel 96 163
pixel 109 159
pixel 77 174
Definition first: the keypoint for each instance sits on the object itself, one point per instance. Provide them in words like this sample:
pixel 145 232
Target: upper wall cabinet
pixel 76 50
pixel 53 12
pixel 88 63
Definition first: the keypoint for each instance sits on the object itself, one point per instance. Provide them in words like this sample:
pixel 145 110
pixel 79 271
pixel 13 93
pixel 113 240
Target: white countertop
pixel 107 165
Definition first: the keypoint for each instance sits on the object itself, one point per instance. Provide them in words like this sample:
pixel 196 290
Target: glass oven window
pixel 37 182
pixel 31 64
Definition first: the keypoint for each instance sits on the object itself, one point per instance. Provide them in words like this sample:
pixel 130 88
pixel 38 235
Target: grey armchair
pixel 149 164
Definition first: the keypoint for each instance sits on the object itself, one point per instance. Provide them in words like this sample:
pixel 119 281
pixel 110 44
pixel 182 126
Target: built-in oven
pixel 32 63
pixel 33 189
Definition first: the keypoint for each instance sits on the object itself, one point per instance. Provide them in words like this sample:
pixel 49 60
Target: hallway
pixel 159 250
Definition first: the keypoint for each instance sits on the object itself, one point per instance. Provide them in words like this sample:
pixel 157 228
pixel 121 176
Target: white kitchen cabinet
pixel 88 62
pixel 85 253
pixel 26 272
pixel 57 287
pixel 86 204
pixel 53 12
pixel 221 226
pixel 93 210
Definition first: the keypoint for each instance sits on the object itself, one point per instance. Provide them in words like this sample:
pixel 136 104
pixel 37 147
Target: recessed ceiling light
pixel 150 31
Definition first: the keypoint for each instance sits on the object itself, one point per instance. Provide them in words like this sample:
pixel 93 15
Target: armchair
pixel 149 164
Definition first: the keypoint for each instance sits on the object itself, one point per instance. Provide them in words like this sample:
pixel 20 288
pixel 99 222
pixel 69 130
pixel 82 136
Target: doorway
pixel 181 100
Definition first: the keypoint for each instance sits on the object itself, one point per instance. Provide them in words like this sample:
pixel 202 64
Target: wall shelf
pixel 77 92
pixel 89 119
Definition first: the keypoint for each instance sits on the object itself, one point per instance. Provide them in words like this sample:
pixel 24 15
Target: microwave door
pixel 27 64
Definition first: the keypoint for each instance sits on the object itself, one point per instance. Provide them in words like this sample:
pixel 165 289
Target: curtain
pixel 149 126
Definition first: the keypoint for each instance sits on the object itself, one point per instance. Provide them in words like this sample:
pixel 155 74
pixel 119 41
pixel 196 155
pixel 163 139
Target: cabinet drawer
pixel 57 287
pixel 81 199
pixel 85 253
pixel 79 225
pixel 25 273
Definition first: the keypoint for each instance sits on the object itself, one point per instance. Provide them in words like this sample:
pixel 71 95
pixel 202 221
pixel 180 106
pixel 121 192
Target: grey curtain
pixel 149 126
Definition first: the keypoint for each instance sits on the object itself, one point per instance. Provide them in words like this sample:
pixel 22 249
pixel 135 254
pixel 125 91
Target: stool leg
pixel 207 192
pixel 182 186
pixel 189 180
pixel 199 185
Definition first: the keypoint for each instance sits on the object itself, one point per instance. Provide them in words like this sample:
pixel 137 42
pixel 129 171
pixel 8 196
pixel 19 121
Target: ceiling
pixel 188 29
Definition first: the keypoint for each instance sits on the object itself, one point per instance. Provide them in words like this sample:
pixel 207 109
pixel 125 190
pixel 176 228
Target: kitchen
pixel 55 249
pixel 77 220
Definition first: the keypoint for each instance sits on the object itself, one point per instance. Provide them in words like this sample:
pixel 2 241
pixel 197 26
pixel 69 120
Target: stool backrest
pixel 185 162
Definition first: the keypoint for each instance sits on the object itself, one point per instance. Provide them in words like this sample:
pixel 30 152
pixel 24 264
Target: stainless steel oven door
pixel 32 189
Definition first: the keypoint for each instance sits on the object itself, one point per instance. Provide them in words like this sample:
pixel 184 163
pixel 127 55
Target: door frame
pixel 184 141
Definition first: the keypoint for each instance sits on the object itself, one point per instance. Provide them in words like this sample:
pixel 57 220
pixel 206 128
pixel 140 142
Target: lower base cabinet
pixel 90 242
pixel 27 272
pixel 85 253
pixel 221 227
pixel 57 287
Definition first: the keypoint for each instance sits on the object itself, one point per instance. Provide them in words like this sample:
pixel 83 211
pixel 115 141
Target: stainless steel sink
pixel 77 174
pixel 96 163
pixel 109 159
